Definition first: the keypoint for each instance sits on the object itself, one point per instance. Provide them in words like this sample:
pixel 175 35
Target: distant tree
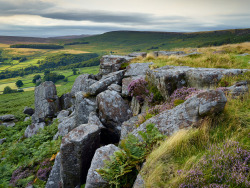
pixel 35 78
pixel 7 90
pixel 46 72
pixel 19 83
pixel 74 71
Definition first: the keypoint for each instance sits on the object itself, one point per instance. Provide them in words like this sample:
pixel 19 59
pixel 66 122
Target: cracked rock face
pixel 136 69
pixel 113 111
pixel 187 114
pixel 46 102
pixel 77 150
pixel 94 180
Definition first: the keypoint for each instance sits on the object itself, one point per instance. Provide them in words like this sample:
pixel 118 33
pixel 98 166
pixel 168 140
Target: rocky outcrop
pixel 94 180
pixel 169 78
pixel 82 83
pixel 168 53
pixel 138 54
pixel 187 114
pixel 77 150
pixel 83 107
pixel 94 120
pixel 107 80
pixel 54 177
pixel 112 63
pixel 33 129
pixel 136 69
pixel 46 102
pixel 29 111
pixel 113 111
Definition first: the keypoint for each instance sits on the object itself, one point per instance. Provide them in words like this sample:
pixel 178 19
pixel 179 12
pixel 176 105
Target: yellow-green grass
pixel 11 85
pixel 185 148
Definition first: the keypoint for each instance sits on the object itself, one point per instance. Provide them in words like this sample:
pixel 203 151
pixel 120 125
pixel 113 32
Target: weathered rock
pixel 115 87
pixel 112 63
pixel 66 126
pixel 107 80
pixel 136 69
pixel 9 124
pixel 187 114
pixel 128 126
pixel 46 102
pixel 127 81
pixel 82 83
pixel 29 111
pixel 167 53
pixel 94 120
pixel 62 114
pixel 139 182
pixel 33 129
pixel 84 106
pixel 239 89
pixel 67 100
pixel 169 78
pixel 113 111
pixel 94 180
pixel 138 54
pixel 7 118
pixel 77 150
pixel 2 140
pixel 54 177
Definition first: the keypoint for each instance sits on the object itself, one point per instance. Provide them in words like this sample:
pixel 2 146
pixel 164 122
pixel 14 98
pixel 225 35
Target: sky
pixel 48 18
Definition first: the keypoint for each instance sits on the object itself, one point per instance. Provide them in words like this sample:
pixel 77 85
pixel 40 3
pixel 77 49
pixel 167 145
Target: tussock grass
pixel 186 148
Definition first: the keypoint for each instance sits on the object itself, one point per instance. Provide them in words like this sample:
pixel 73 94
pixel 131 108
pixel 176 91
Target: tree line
pixel 37 46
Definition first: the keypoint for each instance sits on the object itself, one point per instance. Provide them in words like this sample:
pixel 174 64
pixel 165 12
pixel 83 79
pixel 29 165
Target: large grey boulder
pixel 94 180
pixel 138 54
pixel 33 129
pixel 46 102
pixel 94 120
pixel 7 118
pixel 66 126
pixel 168 53
pixel 77 150
pixel 169 78
pixel 107 80
pixel 83 107
pixel 29 111
pixel 112 63
pixel 136 69
pixel 54 177
pixel 82 83
pixel 113 111
pixel 186 114
pixel 127 81
pixel 62 114
pixel 139 182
